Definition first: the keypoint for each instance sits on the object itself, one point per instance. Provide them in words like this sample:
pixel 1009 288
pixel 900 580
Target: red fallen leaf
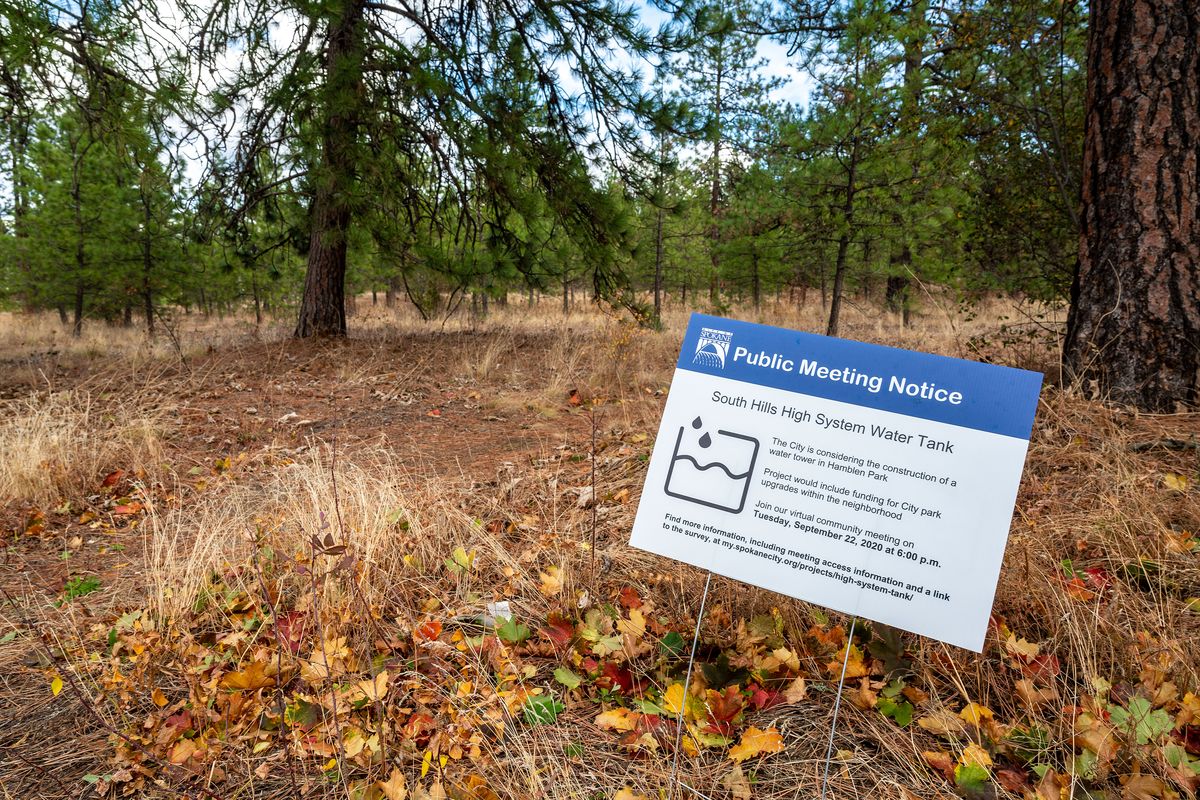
pixel 574 398
pixel 174 726
pixel 1040 667
pixel 723 709
pixel 127 509
pixel 428 631
pixel 1190 735
pixel 1098 577
pixel 941 762
pixel 559 630
pixel 111 478
pixel 435 412
pixel 630 598
pixel 1012 780
pixel 418 726
pixel 291 628
pixel 615 677
pixel 762 699
pixel 1078 589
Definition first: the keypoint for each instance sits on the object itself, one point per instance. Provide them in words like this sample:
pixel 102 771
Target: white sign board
pixel 875 481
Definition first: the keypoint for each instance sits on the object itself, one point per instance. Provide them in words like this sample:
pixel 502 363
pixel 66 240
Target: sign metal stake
pixel 687 683
pixel 837 703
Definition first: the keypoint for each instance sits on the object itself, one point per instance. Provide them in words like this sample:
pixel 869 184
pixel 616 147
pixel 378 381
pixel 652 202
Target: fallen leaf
pixel 158 697
pixel 1145 787
pixel 629 597
pixel 1020 647
pixel 374 689
pixel 756 742
pixel 737 783
pixel 625 793
pixel 975 756
pixel 1012 780
pixel 257 675
pixel 617 719
pixel 1176 482
pixel 796 691
pixel 855 668
pixel 56 685
pixel 941 762
pixel 976 714
pixel 182 751
pixel 672 699
pixel 943 723
pixel 551 581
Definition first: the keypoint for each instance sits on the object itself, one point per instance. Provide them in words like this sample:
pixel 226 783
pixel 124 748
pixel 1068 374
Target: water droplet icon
pixel 705 440
pixel 697 422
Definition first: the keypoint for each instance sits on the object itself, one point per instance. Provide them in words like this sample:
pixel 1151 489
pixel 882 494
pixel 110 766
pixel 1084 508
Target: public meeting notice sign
pixel 875 481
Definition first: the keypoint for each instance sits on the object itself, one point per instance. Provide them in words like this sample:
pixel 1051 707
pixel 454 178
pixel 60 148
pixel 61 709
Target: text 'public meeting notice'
pixel 874 481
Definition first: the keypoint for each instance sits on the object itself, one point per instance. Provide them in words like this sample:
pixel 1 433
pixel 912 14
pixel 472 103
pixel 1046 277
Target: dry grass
pixel 1094 493
pixel 57 444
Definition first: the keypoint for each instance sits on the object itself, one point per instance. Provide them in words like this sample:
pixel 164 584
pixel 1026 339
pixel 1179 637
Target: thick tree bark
pixel 1133 333
pixel 323 308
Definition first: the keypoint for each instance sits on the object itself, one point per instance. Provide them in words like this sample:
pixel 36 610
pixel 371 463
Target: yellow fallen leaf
pixel 426 763
pixel 635 626
pixel 1176 482
pixel 56 685
pixel 256 675
pixel 756 742
pixel 976 714
pixel 330 764
pixel 975 756
pixel 158 697
pixel 374 688
pixel 1020 647
pixel 855 668
pixel 625 793
pixel 615 720
pixel 552 581
pixel 672 699
pixel 182 751
pixel 395 787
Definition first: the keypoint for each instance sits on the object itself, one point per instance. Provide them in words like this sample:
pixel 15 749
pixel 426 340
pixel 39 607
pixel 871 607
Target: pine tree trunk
pixel 323 307
pixel 147 263
pixel 658 266
pixel 19 146
pixel 1133 333
pixel 839 269
pixel 714 200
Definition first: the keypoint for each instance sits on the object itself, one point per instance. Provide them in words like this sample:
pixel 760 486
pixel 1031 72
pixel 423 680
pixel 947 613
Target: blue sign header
pixel 969 394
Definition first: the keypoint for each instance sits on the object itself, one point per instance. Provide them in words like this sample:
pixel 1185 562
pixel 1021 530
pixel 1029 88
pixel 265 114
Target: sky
pixel 796 83
pixel 794 88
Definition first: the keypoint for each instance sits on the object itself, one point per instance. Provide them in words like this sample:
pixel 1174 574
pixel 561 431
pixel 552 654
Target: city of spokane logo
pixel 712 348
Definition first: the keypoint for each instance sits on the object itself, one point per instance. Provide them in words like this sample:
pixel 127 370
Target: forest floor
pixel 236 565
